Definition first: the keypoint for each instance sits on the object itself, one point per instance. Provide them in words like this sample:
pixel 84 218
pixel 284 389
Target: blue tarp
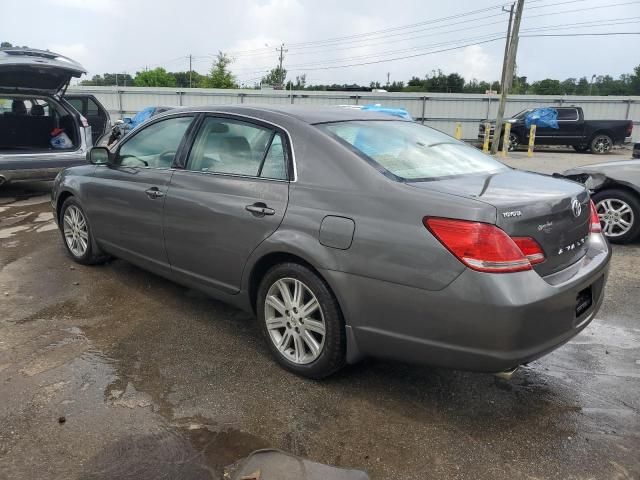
pixel 141 117
pixel 542 117
pixel 396 112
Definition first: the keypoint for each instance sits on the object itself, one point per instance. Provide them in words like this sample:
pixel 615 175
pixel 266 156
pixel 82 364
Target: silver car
pixel 347 233
pixel 34 113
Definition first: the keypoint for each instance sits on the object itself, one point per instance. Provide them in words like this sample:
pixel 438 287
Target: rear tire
pixel 309 342
pixel 601 143
pixel 619 213
pixel 77 236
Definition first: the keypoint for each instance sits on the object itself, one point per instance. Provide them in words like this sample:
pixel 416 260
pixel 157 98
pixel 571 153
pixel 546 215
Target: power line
pixel 386 30
pixel 580 34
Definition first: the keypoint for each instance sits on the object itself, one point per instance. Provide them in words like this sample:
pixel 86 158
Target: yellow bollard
pixel 458 133
pixel 532 140
pixel 505 140
pixel 487 132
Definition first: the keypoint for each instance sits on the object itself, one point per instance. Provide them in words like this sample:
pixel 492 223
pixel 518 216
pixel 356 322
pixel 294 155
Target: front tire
pixel 619 214
pixel 301 321
pixel 76 234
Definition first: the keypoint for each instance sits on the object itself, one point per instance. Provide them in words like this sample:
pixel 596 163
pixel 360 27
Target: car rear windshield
pixel 410 151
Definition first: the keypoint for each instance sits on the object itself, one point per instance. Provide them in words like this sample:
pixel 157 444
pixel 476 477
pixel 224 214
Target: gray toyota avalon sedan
pixel 347 233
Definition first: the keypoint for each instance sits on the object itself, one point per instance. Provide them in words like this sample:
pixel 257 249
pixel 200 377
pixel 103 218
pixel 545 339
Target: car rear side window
pixel 410 151
pixel 154 145
pixel 567 114
pixel 237 148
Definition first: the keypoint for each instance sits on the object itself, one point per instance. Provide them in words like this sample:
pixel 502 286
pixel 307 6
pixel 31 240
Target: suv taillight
pixel 484 247
pixel 629 128
pixel 594 222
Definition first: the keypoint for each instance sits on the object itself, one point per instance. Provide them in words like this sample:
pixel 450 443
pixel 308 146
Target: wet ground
pixel 112 372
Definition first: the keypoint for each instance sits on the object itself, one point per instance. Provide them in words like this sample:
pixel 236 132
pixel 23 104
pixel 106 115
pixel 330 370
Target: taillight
pixel 530 248
pixel 629 129
pixel 594 222
pixel 484 247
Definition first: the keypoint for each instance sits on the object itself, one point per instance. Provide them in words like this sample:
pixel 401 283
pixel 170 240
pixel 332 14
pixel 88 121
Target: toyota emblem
pixel 576 208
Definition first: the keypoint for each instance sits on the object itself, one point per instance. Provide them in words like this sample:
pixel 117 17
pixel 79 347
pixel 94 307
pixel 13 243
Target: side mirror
pixel 99 156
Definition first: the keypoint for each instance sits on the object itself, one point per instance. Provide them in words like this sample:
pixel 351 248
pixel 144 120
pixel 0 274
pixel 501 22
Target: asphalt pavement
pixel 112 372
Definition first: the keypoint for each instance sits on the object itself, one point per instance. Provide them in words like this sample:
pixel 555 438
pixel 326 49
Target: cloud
pixel 75 51
pixel 93 5
pixel 474 62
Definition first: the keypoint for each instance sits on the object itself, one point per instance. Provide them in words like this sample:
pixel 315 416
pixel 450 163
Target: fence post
pixel 506 143
pixel 424 108
pixel 458 133
pixel 120 103
pixel 487 132
pixel 532 140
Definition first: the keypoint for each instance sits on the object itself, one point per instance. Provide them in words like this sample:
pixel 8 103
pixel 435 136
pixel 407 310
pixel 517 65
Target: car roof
pixel 308 114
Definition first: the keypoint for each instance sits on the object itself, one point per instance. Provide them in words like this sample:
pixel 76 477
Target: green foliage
pixel 5 45
pixel 158 77
pixel 276 77
pixel 109 79
pixel 184 80
pixel 547 86
pixel 220 75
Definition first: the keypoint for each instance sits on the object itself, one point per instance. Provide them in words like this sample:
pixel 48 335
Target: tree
pixel 455 83
pixel 5 45
pixel 569 86
pixel 635 81
pixel 158 77
pixel 301 81
pixel 547 86
pixel 189 79
pixel 275 77
pixel 220 75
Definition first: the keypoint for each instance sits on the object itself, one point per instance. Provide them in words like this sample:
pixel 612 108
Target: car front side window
pixel 155 145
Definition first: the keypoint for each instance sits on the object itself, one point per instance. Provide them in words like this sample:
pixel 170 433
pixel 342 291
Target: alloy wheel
pixel 76 231
pixel 601 144
pixel 513 141
pixel 616 216
pixel 295 321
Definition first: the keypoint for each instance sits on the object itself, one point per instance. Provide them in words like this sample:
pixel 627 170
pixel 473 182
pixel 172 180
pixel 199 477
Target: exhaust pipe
pixel 507 374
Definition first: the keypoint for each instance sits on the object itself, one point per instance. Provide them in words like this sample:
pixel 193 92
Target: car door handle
pixel 260 209
pixel 154 192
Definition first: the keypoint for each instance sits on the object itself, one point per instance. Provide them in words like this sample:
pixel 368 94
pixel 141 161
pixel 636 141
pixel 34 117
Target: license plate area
pixel 584 300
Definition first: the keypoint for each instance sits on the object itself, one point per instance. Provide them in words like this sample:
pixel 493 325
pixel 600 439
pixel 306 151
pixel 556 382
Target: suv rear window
pixel 410 151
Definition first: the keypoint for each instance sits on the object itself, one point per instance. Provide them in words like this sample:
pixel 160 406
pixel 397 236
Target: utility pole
pixel 388 77
pixel 511 49
pixel 190 58
pixel 282 51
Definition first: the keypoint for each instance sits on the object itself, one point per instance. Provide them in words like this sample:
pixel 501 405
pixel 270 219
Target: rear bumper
pixel 481 322
pixel 10 176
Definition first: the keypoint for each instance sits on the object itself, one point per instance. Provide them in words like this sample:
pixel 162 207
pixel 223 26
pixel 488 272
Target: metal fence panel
pixel 440 110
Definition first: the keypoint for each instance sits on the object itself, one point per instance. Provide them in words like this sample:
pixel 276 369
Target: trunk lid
pixel 554 212
pixel 25 70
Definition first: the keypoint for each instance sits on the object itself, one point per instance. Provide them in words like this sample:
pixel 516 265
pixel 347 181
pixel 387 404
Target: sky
pixel 130 35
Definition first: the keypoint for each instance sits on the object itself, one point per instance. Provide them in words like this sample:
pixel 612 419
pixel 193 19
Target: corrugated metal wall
pixel 440 110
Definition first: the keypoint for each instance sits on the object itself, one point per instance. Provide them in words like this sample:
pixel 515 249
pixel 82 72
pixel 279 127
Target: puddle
pixel 600 333
pixel 183 452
